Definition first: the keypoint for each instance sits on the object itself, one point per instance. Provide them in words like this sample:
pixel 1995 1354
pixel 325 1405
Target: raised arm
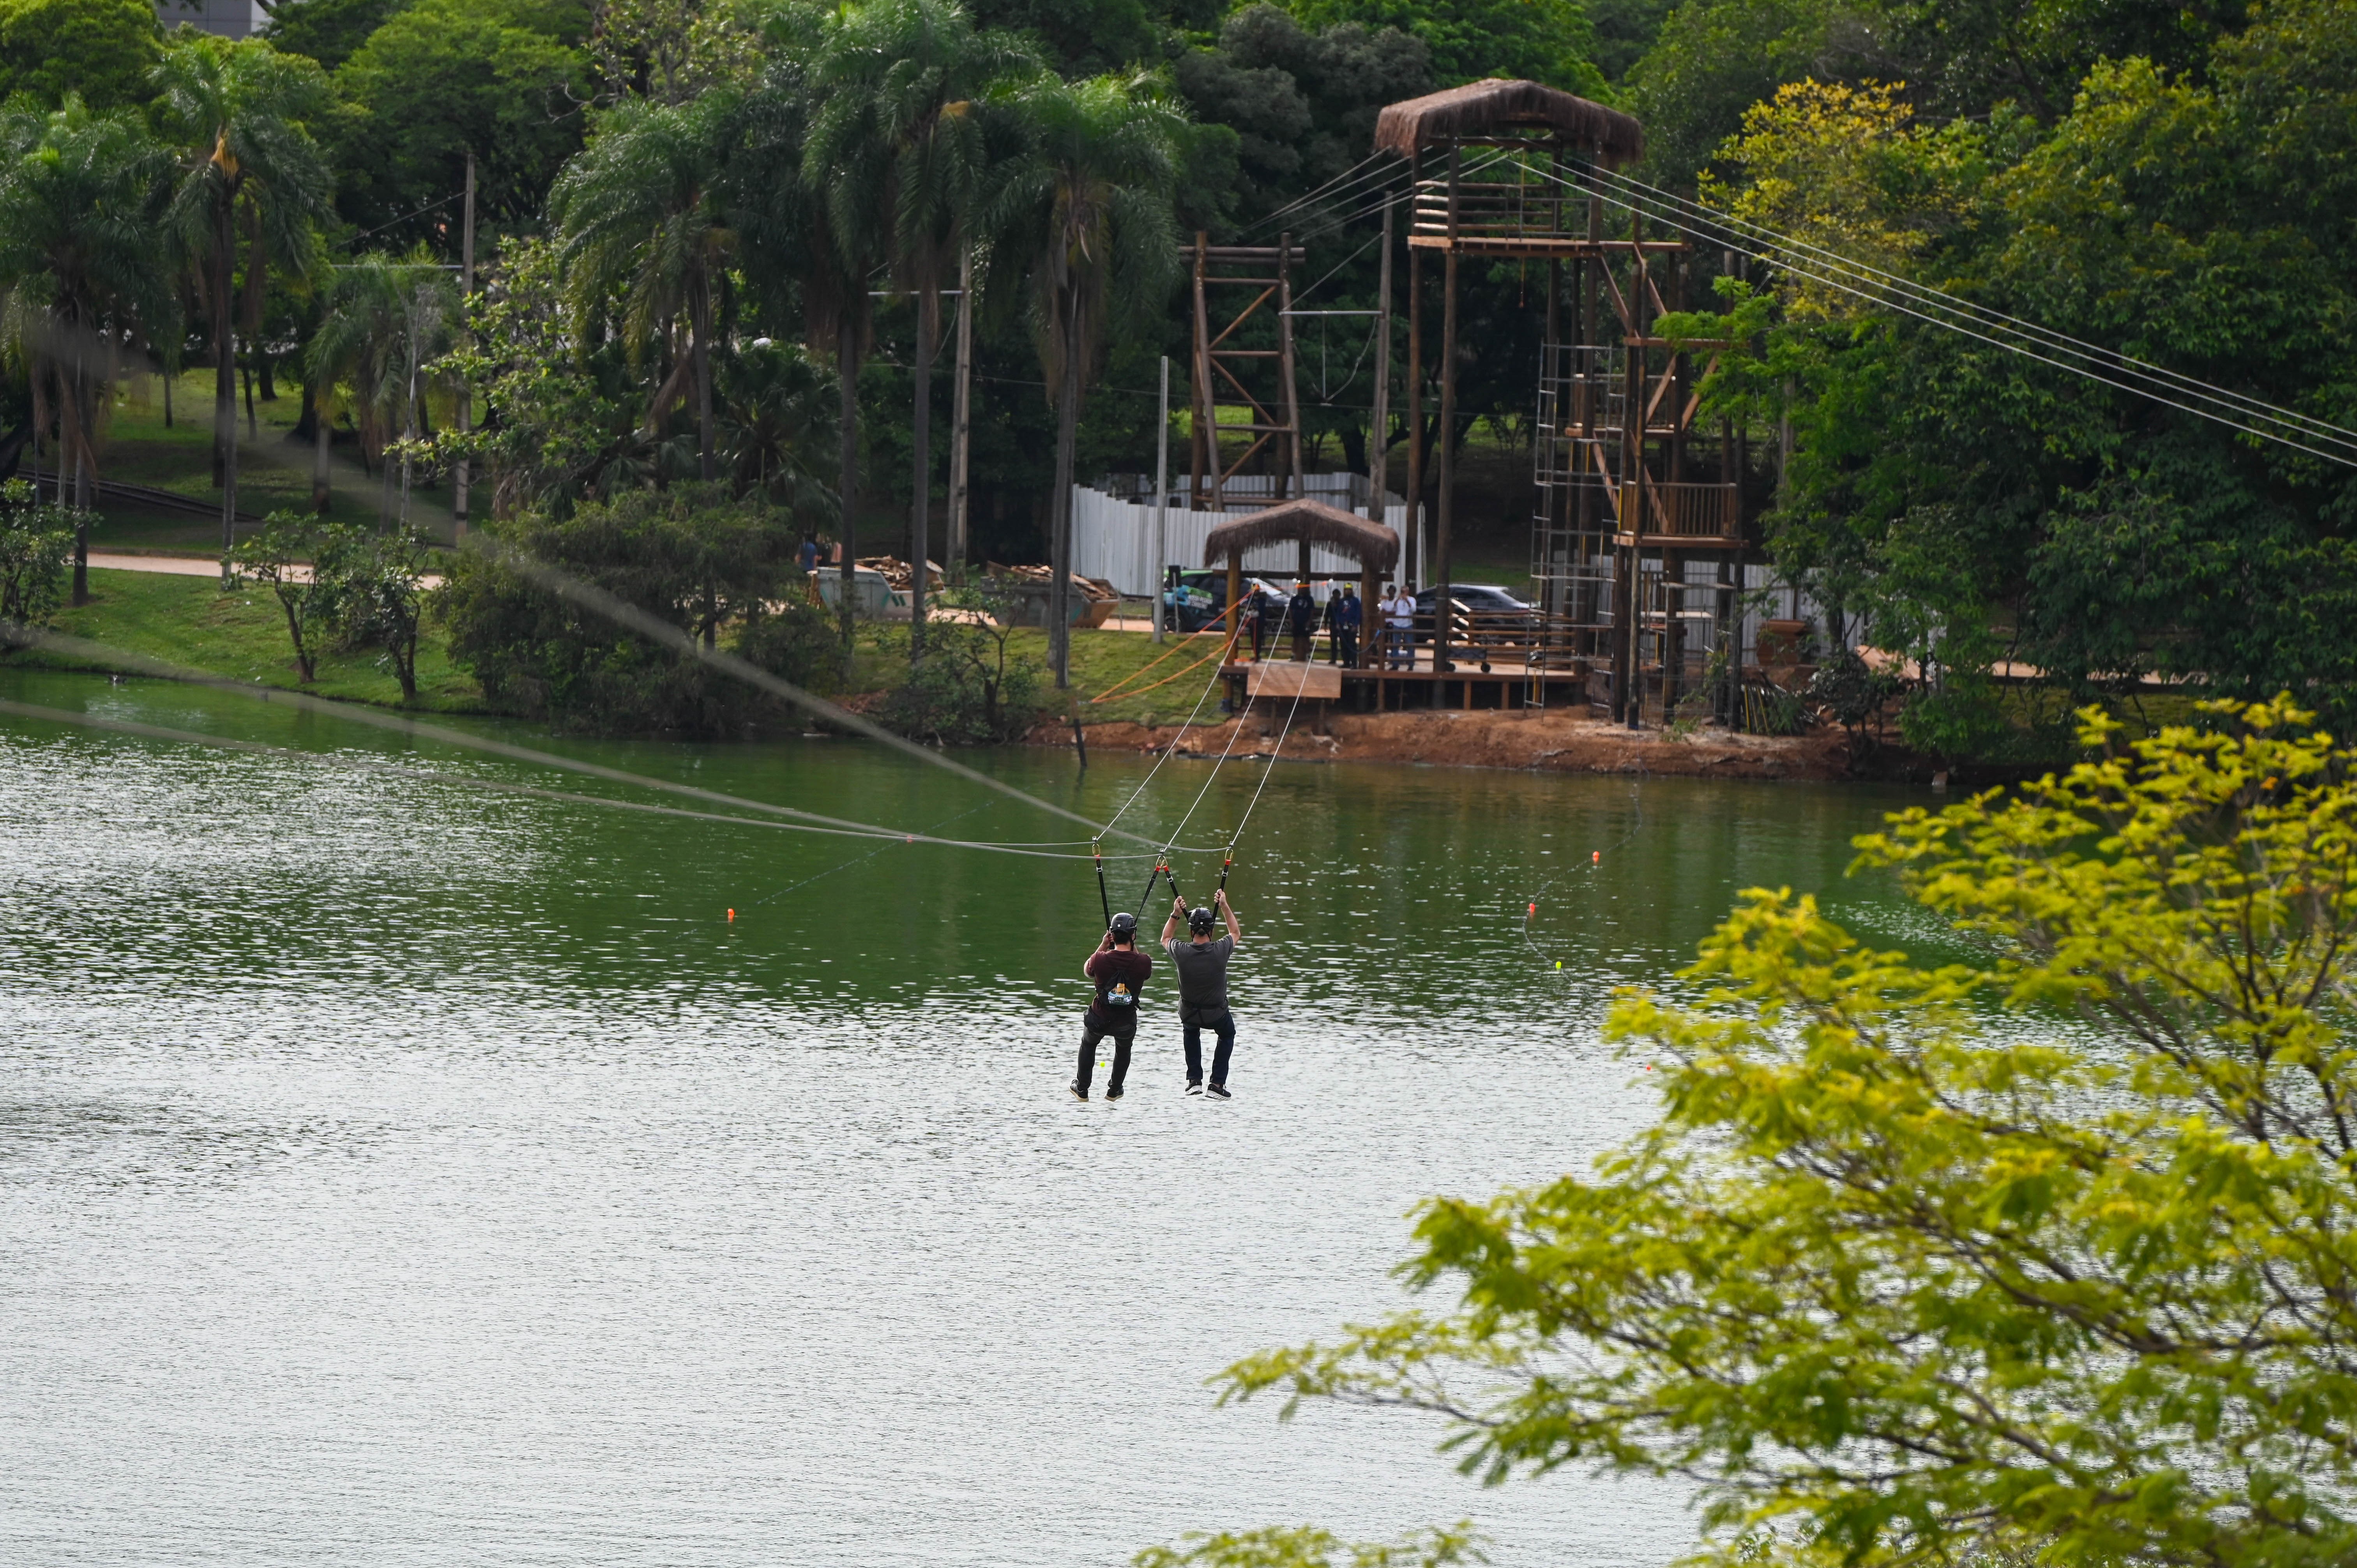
pixel 1105 945
pixel 1171 922
pixel 1235 932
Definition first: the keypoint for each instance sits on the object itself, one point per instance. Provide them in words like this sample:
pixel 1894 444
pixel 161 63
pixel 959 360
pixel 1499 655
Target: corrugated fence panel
pixel 1113 539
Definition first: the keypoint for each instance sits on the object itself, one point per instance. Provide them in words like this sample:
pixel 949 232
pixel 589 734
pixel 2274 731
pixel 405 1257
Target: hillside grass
pixel 241 635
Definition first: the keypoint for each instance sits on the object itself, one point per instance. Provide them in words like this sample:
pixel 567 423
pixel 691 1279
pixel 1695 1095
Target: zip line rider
pixel 1120 971
pixel 1202 964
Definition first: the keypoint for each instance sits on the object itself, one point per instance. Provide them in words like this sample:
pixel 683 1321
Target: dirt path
pixel 197 566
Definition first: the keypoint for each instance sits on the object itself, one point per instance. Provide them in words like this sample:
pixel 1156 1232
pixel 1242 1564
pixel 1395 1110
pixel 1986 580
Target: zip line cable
pixel 1354 175
pixel 2125 363
pixel 140 663
pixel 861 860
pixel 1204 696
pixel 629 615
pixel 1721 232
pixel 495 786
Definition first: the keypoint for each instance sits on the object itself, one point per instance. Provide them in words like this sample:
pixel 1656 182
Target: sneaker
pixel 1078 1091
pixel 1193 1087
pixel 1218 1091
pixel 1113 1094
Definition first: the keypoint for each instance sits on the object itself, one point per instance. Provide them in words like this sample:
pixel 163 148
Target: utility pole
pixel 465 299
pixel 962 409
pixel 1161 496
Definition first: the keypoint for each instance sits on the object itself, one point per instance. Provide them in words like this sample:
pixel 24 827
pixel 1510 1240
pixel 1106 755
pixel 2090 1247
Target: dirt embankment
pixel 1556 742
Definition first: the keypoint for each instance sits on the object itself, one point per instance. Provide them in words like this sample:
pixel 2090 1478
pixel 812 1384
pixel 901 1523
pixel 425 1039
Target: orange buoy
pixel 732 917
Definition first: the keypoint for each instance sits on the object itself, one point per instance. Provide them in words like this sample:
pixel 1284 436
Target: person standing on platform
pixel 1202 963
pixel 1333 620
pixel 1121 973
pixel 1399 616
pixel 1264 618
pixel 1301 619
pixel 1346 628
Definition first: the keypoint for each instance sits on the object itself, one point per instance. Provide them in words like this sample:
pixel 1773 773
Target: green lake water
pixel 395 1172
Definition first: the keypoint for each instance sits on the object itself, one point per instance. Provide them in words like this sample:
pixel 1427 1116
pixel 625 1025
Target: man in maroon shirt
pixel 1120 971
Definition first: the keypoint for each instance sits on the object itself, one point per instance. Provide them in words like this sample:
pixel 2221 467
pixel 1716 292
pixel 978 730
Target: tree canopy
pixel 2043 1251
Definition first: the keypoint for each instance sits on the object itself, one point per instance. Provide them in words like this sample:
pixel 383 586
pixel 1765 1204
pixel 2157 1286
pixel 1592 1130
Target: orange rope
pixel 1116 690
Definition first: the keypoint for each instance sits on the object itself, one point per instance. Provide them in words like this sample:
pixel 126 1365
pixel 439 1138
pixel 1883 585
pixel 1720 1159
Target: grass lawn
pixel 274 470
pixel 243 634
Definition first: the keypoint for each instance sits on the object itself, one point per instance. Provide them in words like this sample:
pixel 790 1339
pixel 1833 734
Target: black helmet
pixel 1124 928
pixel 1201 919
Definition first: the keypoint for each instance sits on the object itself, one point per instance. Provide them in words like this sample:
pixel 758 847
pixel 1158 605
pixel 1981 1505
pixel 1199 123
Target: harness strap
pixel 1104 898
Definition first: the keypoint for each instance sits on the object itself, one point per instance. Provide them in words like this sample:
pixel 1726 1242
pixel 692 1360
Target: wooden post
pixel 1236 599
pixel 1285 374
pixel 1631 701
pixel 1447 499
pixel 1410 521
pixel 1207 413
pixel 1379 421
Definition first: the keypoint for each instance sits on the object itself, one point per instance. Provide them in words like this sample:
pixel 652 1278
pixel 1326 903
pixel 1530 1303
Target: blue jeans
pixel 1192 1025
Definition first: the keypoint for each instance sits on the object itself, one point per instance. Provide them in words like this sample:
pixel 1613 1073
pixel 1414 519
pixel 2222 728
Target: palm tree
pixel 1086 212
pixel 81 269
pixel 383 322
pixel 896 131
pixel 250 181
pixel 639 211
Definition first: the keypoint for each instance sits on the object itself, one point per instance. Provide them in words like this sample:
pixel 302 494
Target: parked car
pixel 1192 599
pixel 1495 615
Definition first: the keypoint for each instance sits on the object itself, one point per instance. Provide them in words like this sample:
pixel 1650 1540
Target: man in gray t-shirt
pixel 1202 964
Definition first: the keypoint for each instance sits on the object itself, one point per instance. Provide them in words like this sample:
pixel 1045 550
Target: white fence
pixel 1113 538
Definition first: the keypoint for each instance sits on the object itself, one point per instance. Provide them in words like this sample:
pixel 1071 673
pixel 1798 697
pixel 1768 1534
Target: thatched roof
pixel 1369 544
pixel 1481 108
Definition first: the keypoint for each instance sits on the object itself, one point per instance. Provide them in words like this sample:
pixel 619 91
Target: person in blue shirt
pixel 806 558
pixel 1347 621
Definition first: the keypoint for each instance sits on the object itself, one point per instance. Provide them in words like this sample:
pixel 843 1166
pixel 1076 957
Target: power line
pixel 1705 224
pixel 2127 364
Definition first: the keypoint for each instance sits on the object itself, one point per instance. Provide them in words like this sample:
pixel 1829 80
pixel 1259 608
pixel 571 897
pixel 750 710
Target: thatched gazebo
pixel 1307 522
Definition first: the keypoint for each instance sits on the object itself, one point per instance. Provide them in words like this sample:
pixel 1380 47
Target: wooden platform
pixel 1377 690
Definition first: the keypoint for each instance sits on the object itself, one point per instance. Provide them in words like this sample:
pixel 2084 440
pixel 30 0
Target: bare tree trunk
pixel 1060 509
pixel 846 375
pixel 322 438
pixel 701 304
pixel 921 488
pixel 225 390
pixel 75 448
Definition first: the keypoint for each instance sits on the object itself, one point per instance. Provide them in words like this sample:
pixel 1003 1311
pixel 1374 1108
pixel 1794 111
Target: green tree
pixel 899 88
pixel 1533 40
pixel 504 79
pixel 251 185
pixel 328 31
pixel 36 539
pixel 715 566
pixel 281 558
pixel 80 270
pixel 376 584
pixel 1084 211
pixel 639 219
pixel 1309 1548
pixel 99 50
pixel 2043 1251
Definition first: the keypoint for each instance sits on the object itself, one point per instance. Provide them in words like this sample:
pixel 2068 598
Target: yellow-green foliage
pixel 2050 1252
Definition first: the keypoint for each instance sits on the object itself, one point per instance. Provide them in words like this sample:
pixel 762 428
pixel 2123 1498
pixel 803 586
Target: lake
pixel 393 1172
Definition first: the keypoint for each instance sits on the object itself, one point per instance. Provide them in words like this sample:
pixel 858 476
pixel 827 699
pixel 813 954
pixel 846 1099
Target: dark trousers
pixel 1095 1031
pixel 1192 1025
pixel 1301 640
pixel 1347 639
